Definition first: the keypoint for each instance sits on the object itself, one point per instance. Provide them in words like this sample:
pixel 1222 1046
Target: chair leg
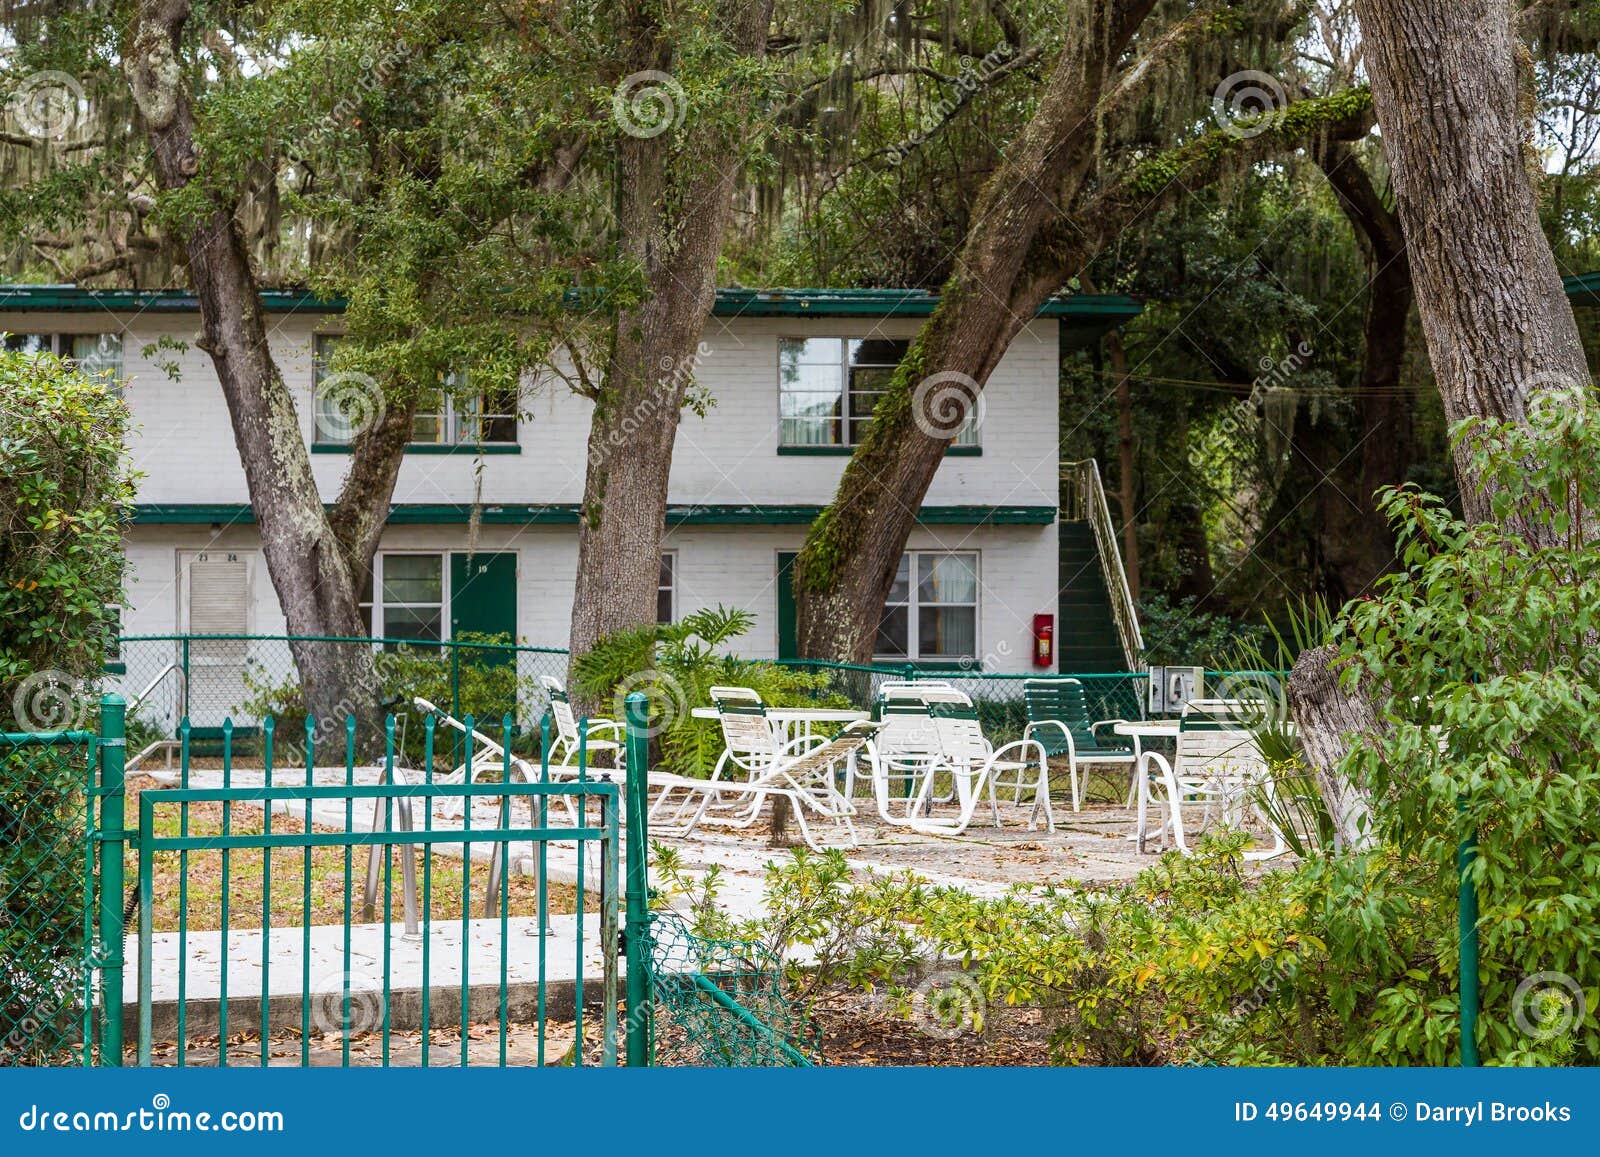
pixel 1077 803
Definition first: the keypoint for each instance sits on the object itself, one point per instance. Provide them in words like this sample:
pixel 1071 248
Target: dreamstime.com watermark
pixel 972 76
pixel 1249 103
pixel 1275 372
pixel 51 700
pixel 158 1117
pixel 1548 1005
pixel 647 104
pixel 48 106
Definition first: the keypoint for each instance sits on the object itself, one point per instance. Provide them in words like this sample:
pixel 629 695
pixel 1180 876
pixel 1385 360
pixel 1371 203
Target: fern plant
pixel 675 665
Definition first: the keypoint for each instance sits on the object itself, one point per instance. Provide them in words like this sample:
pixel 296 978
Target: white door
pixel 214 590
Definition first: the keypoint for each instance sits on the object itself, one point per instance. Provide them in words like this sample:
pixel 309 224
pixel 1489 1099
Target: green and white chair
pixel 1060 721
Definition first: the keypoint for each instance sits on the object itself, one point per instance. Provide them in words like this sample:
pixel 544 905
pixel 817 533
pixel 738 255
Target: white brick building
pixel 744 484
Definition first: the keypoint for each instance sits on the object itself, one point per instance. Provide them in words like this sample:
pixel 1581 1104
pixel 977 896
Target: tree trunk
pixel 1327 717
pixel 843 573
pixel 1357 543
pixel 673 206
pixel 1499 328
pixel 314 569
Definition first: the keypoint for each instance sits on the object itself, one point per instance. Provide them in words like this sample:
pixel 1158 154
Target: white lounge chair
pixel 567 743
pixel 805 778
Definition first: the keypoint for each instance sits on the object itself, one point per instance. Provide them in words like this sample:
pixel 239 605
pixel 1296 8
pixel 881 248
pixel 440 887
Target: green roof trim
pixel 1098 309
pixel 562 514
pixel 1584 289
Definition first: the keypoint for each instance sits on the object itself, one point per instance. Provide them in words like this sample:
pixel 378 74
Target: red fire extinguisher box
pixel 1044 639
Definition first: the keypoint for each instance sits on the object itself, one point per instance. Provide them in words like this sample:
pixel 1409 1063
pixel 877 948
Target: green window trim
pixel 846 451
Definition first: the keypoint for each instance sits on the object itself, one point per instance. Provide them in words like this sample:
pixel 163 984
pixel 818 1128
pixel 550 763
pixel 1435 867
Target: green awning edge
pixel 1101 309
pixel 458 513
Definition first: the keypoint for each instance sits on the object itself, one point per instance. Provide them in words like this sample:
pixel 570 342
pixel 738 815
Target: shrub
pixel 675 665
pixel 483 683
pixel 63 488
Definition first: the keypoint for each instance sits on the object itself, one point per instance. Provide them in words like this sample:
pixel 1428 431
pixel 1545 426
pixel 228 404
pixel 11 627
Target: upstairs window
pixel 829 386
pixel 447 416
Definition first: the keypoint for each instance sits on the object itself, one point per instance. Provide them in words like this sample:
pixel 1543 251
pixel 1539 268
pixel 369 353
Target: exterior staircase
pixel 1097 625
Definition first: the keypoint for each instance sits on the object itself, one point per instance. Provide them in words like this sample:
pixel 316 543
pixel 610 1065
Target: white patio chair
pixel 484 756
pixel 979 768
pixel 1215 771
pixel 805 778
pixel 908 753
pixel 568 742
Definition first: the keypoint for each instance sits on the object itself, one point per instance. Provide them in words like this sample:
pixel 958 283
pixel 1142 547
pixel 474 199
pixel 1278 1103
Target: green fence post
pixel 113 839
pixel 637 942
pixel 1468 914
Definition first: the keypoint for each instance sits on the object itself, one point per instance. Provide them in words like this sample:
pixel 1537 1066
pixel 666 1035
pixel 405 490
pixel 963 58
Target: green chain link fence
pixel 245 677
pixel 46 894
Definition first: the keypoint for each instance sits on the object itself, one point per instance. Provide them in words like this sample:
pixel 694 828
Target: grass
pixel 287 905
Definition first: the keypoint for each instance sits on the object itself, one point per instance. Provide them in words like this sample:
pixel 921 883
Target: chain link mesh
pixel 213 679
pixel 722 1003
pixel 45 895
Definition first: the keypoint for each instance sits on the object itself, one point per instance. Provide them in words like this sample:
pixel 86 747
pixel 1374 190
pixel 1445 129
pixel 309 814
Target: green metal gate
pixel 275 929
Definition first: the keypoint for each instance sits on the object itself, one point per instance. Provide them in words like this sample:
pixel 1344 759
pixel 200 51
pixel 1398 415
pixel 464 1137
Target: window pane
pixel 805 432
pixel 809 404
pixel 664 606
pixel 892 633
pixel 862 403
pixel 98 353
pixel 902 581
pixel 947 578
pixel 29 343
pixel 412 623
pixel 794 352
pixel 413 578
pixel 666 571
pixel 947 632
pixel 878 352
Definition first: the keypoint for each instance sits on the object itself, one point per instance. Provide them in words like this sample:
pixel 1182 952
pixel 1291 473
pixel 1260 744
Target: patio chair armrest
pixel 1072 748
pixel 1164 770
pixel 599 725
pixel 799 742
pixel 1099 723
pixel 1020 744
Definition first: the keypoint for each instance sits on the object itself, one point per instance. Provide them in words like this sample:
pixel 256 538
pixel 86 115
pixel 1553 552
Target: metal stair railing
pixel 1083 499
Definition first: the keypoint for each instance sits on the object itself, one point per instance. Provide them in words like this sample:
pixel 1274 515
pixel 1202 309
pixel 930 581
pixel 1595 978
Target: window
pixel 94 353
pixel 828 388
pixel 444 417
pixel 932 609
pixel 411 597
pixel 666 589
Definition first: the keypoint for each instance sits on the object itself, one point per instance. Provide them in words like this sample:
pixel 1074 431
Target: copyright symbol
pixel 1397 1111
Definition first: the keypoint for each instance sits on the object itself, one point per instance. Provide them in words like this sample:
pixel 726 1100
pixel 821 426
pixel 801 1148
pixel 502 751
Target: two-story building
pixel 793 376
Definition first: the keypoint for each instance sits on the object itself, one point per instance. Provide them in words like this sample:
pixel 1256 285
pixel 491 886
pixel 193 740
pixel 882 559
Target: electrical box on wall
pixel 1172 687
